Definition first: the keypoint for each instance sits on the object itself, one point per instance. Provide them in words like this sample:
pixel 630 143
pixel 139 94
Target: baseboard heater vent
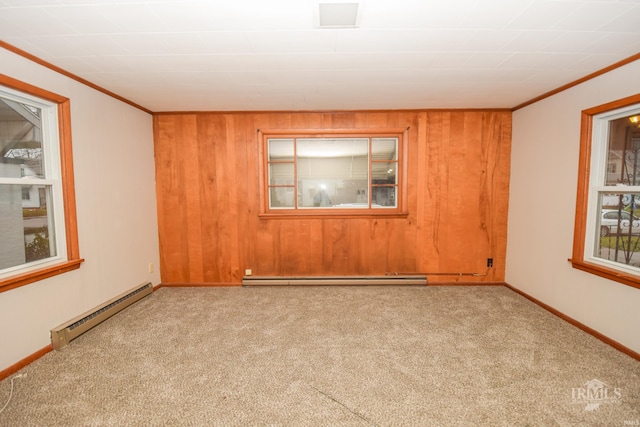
pixel 334 280
pixel 65 333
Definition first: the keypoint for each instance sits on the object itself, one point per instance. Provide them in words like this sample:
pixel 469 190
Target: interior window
pixel 333 173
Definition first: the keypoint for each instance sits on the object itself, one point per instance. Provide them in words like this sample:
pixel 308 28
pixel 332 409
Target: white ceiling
pixel 194 55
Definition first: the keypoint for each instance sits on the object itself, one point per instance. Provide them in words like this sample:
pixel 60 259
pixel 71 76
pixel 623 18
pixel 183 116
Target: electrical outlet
pixel 248 272
pixel 489 262
pixel 150 267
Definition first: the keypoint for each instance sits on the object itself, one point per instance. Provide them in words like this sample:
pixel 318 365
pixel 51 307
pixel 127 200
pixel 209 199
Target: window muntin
pixel 339 172
pixel 31 193
pixel 611 198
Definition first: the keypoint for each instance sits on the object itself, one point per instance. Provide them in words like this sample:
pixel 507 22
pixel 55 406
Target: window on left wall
pixel 37 204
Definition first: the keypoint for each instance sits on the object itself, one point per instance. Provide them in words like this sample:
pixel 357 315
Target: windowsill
pixel 607 273
pixel 331 214
pixel 36 275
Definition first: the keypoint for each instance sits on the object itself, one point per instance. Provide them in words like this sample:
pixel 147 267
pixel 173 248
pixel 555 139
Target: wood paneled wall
pixel 207 177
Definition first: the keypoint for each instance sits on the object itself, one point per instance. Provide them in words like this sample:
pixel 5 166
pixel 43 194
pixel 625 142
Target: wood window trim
pixel 68 189
pixel 582 200
pixel 401 211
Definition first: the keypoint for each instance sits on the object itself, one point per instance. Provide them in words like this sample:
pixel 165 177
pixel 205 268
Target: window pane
pixel 20 140
pixel 281 197
pixel 332 172
pixel 25 226
pixel 335 168
pixel 623 152
pixel 335 193
pixel 384 173
pixel 617 233
pixel 281 174
pixel 332 147
pixel 384 197
pixel 619 229
pixel 384 148
pixel 280 149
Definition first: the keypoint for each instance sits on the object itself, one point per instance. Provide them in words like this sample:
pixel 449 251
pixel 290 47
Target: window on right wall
pixel 607 226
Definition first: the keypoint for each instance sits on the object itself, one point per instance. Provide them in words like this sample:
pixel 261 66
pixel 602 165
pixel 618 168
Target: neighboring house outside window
pixel 607 236
pixel 37 207
pixel 26 194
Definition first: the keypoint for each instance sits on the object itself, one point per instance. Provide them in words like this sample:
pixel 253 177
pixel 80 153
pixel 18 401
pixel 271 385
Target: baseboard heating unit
pixel 334 280
pixel 65 333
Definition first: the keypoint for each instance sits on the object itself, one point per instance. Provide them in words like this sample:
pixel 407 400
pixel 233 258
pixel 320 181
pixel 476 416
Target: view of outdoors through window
pixel 619 198
pixel 25 193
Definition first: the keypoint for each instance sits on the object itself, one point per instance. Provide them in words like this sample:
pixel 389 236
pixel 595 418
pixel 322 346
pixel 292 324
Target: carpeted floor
pixel 329 356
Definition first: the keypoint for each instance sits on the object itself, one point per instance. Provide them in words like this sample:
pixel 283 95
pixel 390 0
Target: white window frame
pixel 597 178
pixel 52 179
pixel 592 170
pixel 65 219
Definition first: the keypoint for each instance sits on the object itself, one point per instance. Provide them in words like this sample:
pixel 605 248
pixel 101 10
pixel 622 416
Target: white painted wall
pixel 544 168
pixel 116 208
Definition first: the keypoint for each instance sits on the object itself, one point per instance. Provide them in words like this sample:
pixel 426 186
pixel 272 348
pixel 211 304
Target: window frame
pixel 400 210
pixel 71 260
pixel 586 207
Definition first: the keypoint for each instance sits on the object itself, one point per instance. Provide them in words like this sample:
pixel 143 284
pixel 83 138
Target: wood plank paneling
pixel 208 166
pixel 171 194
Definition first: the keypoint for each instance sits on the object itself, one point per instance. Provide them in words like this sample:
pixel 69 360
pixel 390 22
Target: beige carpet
pixel 329 356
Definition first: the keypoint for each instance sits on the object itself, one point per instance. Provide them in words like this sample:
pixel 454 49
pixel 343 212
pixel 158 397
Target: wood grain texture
pixel 457 188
